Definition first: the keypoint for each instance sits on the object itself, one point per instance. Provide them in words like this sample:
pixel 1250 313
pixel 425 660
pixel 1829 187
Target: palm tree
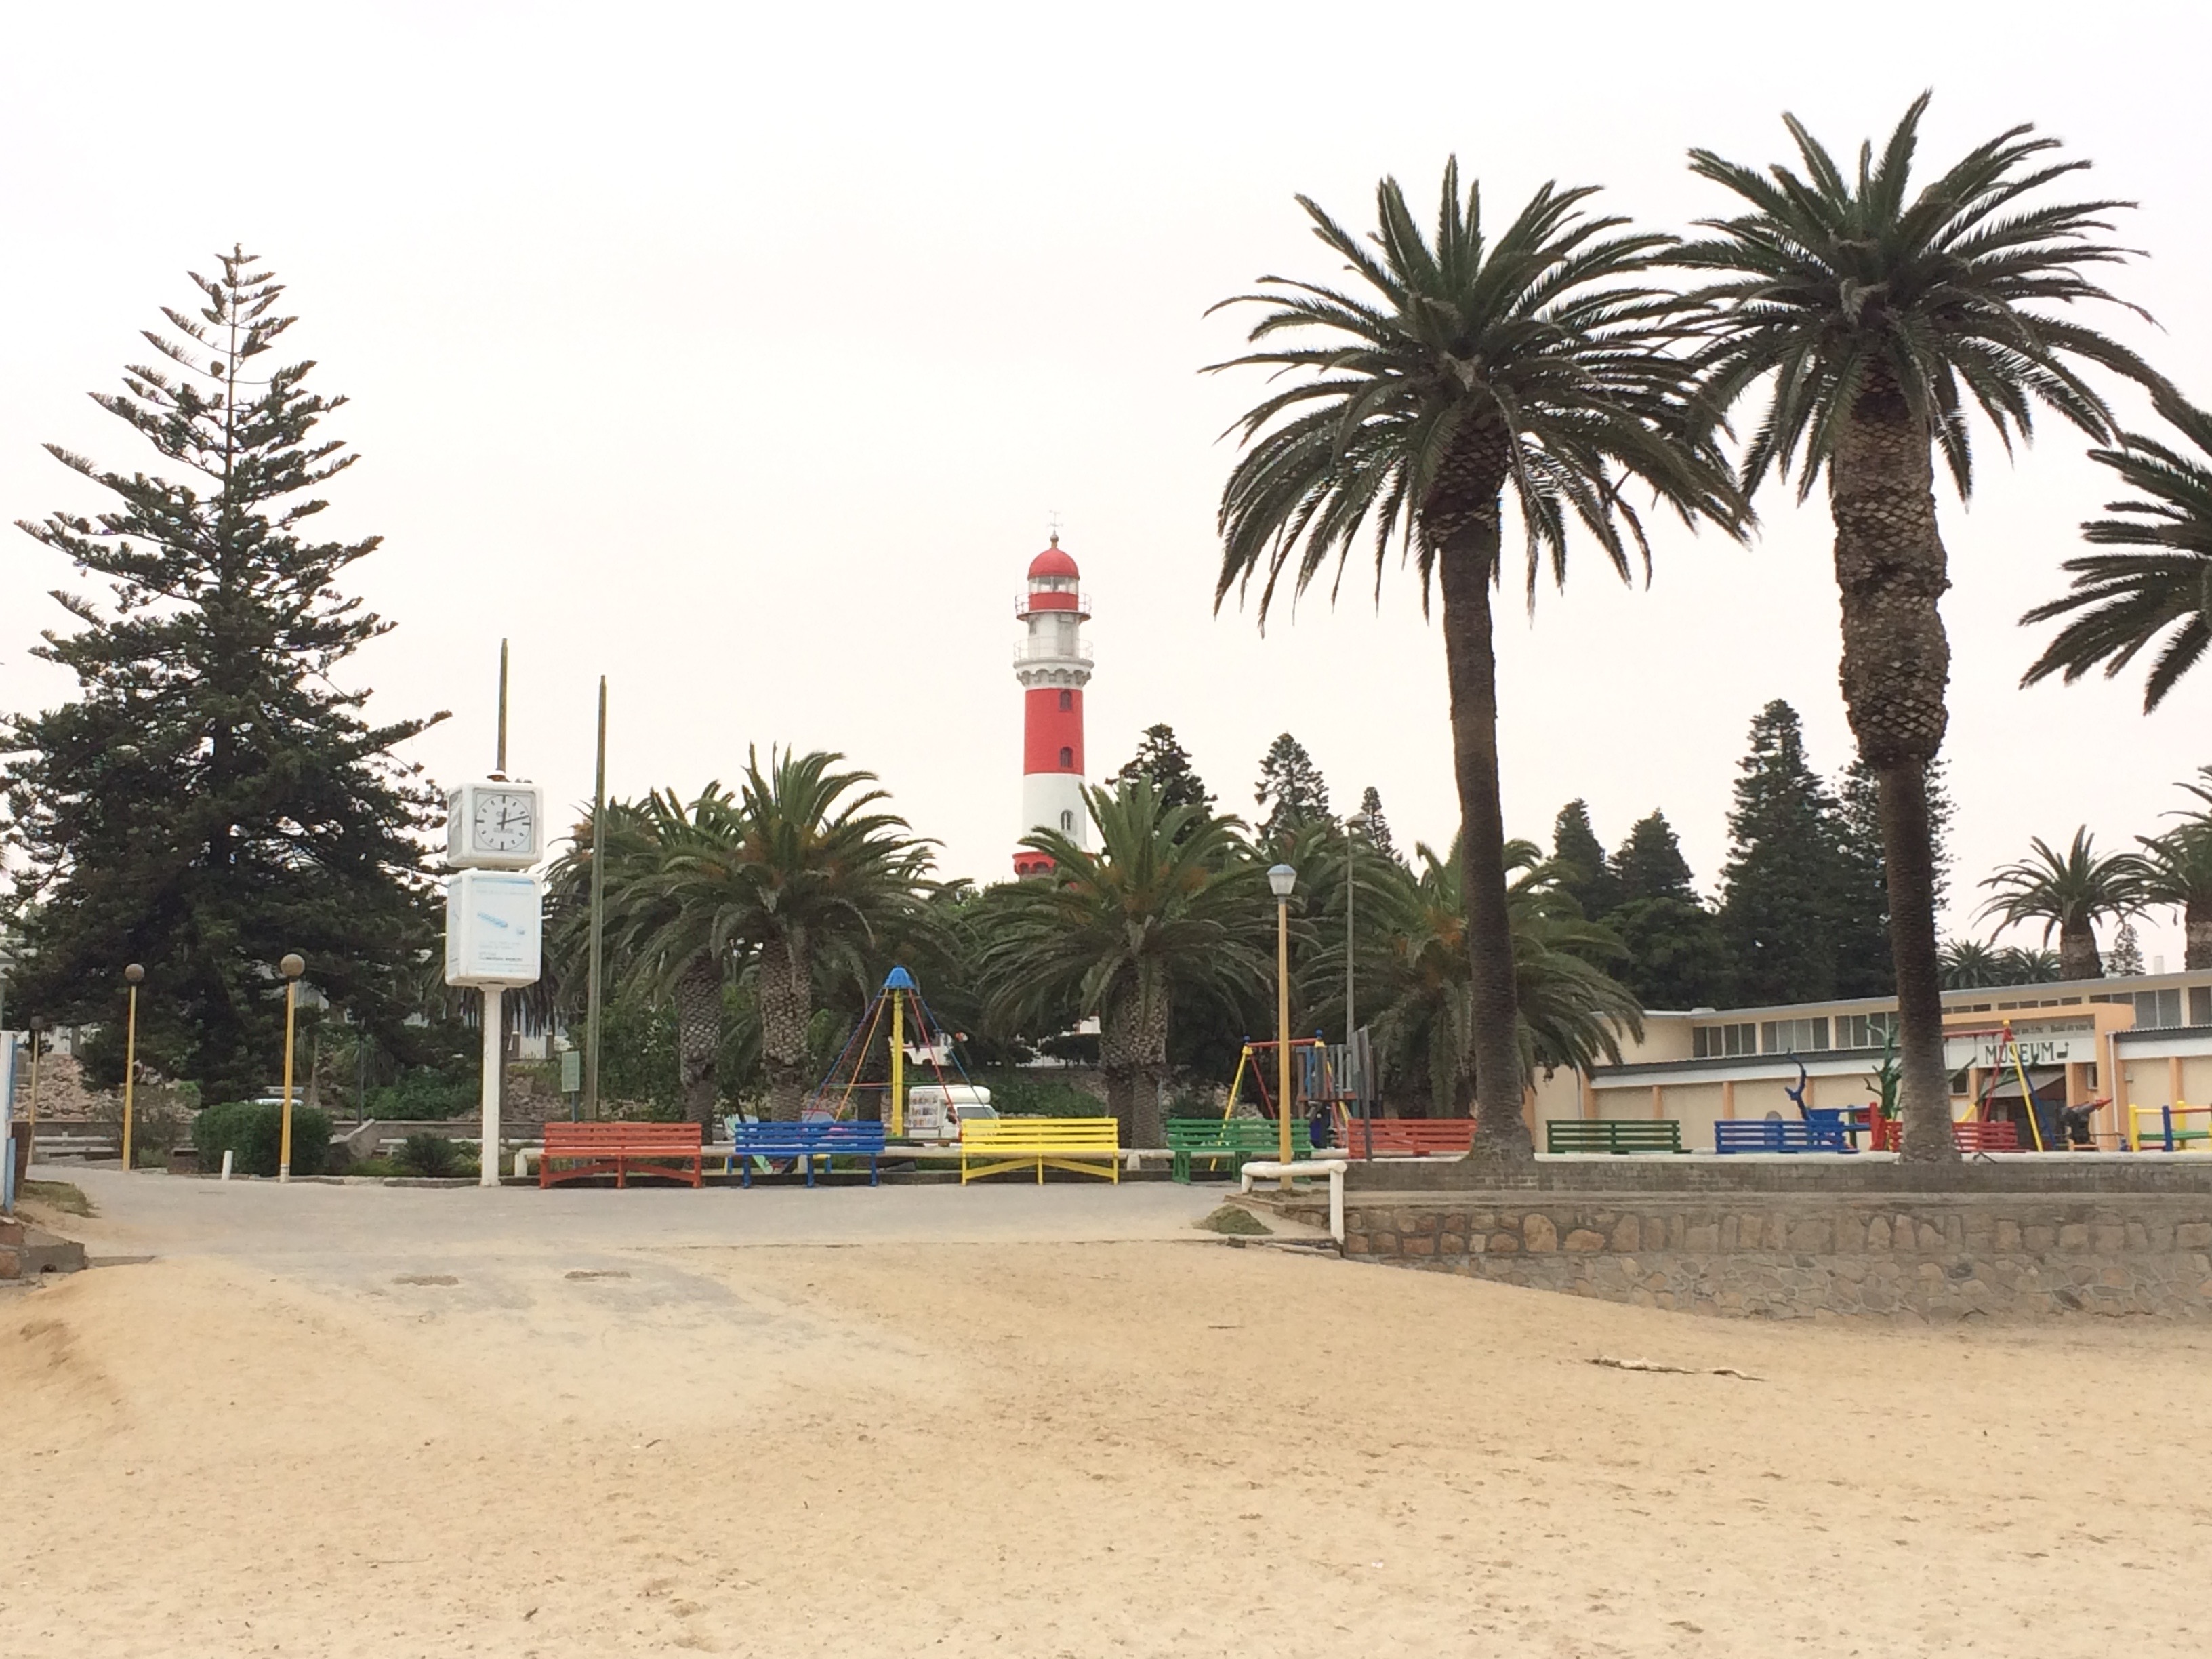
pixel 665 939
pixel 2122 602
pixel 1539 362
pixel 2017 965
pixel 2177 870
pixel 1967 964
pixel 1877 316
pixel 1170 909
pixel 673 928
pixel 814 876
pixel 1570 1011
pixel 2067 893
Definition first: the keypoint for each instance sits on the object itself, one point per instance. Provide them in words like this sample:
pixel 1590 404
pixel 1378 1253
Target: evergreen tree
pixel 212 800
pixel 1864 963
pixel 1787 875
pixel 1377 827
pixel 2125 959
pixel 1588 876
pixel 1678 955
pixel 1291 788
pixel 1650 864
pixel 1162 759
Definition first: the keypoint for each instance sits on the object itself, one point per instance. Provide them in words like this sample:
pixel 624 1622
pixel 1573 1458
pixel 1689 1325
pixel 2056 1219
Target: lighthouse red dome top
pixel 1053 585
pixel 1051 562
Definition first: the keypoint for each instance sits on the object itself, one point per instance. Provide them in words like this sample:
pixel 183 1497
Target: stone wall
pixel 1894 1256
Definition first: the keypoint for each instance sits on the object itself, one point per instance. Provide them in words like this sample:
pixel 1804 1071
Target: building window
pixel 1791 1036
pixel 1068 824
pixel 2157 1009
pixel 1067 758
pixel 1862 1030
pixel 1066 702
pixel 1717 1041
pixel 2200 1005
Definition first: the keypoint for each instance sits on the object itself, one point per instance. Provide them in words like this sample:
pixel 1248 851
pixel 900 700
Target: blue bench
pixel 1774 1134
pixel 821 1138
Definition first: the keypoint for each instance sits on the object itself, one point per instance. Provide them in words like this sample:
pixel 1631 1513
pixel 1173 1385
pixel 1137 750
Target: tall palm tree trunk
pixel 786 1004
pixel 699 1037
pixel 1890 571
pixel 1121 1045
pixel 2196 934
pixel 2078 957
pixel 1464 564
pixel 1901 803
pixel 1146 1128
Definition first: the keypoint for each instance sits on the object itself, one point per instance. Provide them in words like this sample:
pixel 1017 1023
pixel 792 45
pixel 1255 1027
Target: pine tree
pixel 1376 827
pixel 212 800
pixel 1650 864
pixel 1291 787
pixel 1788 876
pixel 1678 955
pixel 1589 875
pixel 2125 959
pixel 1865 964
pixel 1161 758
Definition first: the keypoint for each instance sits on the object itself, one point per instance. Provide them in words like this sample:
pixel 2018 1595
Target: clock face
pixel 504 823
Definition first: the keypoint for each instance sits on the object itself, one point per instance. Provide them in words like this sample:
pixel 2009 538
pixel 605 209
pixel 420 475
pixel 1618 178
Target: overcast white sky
pixel 741 354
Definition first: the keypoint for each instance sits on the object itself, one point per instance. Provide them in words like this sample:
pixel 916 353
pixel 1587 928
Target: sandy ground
pixel 600 1423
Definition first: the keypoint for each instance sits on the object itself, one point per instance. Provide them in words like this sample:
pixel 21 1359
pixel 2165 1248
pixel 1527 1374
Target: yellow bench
pixel 1082 1145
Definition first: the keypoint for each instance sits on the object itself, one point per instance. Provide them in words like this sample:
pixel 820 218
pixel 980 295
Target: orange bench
pixel 1408 1137
pixel 621 1150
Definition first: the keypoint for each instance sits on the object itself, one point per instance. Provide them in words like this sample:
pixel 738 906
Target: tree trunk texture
pixel 2196 932
pixel 786 1004
pixel 699 1037
pixel 1901 801
pixel 2078 957
pixel 1146 1128
pixel 1464 568
pixel 1119 1044
pixel 1890 575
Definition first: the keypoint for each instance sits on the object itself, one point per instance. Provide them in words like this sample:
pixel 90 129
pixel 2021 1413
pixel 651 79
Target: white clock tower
pixel 495 908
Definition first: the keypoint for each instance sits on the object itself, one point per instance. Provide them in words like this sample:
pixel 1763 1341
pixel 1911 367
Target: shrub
pixel 426 1154
pixel 425 1091
pixel 1028 1094
pixel 253 1131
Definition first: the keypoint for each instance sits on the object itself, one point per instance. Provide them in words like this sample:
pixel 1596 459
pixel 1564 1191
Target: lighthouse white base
pixel 1054 800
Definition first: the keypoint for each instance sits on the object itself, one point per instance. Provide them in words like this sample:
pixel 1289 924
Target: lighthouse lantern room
pixel 1053 663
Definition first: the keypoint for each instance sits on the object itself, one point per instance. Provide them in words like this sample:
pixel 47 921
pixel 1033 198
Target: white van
pixel 934 1111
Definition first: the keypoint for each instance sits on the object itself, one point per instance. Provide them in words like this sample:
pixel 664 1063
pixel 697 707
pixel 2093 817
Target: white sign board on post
pixel 494 928
pixel 494 921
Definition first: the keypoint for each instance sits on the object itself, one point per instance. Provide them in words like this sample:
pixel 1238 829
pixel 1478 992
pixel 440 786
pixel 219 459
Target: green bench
pixel 1613 1134
pixel 1239 1139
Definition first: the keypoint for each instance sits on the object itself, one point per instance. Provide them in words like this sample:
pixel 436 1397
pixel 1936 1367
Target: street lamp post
pixel 1281 880
pixel 292 967
pixel 37 1026
pixel 134 975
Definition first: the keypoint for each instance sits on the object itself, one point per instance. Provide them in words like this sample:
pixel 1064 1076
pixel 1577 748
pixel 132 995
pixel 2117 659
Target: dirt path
pixel 1139 1448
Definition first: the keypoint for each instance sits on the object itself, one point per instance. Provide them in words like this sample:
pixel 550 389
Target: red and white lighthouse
pixel 1054 665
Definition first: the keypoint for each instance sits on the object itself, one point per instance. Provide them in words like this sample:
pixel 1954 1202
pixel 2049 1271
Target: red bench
pixel 1996 1135
pixel 1974 1135
pixel 621 1150
pixel 1408 1137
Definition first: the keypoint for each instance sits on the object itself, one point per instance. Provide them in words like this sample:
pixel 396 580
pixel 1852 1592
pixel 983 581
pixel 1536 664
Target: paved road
pixel 318 1230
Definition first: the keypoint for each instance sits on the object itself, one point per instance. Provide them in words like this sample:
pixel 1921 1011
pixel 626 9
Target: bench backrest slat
pixel 580 1140
pixel 1020 1133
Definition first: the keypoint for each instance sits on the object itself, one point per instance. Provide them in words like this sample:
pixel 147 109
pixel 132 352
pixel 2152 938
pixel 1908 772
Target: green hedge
pixel 253 1130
